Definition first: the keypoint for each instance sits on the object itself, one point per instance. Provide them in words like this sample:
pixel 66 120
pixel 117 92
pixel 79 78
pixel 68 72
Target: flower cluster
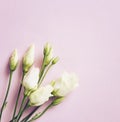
pixel 35 95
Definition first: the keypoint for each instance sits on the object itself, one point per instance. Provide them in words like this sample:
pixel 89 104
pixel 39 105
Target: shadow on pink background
pixel 86 37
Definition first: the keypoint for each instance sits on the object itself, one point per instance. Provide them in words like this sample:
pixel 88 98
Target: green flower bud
pixel 55 60
pixel 48 58
pixel 13 60
pixel 47 49
pixel 58 101
pixel 52 83
pixel 28 58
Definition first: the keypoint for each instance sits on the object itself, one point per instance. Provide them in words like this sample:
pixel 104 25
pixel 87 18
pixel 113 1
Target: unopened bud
pixel 28 58
pixel 55 60
pixel 13 60
pixel 47 49
pixel 48 58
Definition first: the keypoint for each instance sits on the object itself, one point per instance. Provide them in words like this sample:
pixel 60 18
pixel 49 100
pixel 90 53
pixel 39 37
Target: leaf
pixel 5 105
pixel 36 116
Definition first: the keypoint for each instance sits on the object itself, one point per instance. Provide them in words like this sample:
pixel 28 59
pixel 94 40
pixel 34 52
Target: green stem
pixel 8 88
pixel 36 117
pixel 29 115
pixel 25 107
pixel 43 75
pixel 18 96
pixel 21 110
pixel 42 70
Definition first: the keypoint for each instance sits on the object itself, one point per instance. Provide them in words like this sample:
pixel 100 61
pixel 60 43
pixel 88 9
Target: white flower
pixel 13 60
pixel 31 78
pixel 28 58
pixel 41 95
pixel 65 84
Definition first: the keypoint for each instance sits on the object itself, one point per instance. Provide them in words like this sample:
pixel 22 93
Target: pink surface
pixel 86 36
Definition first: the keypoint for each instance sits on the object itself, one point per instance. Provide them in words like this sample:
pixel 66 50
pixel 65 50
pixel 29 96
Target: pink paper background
pixel 85 35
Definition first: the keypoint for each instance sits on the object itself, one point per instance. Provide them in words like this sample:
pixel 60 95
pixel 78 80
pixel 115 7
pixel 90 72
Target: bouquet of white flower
pixel 35 95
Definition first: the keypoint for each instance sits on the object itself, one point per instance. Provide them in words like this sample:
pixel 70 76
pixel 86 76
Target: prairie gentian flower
pixel 41 95
pixel 31 78
pixel 64 84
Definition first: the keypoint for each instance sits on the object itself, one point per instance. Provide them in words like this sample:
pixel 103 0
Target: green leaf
pixel 5 105
pixel 36 116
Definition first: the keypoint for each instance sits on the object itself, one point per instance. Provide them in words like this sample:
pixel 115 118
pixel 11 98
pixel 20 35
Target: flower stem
pixel 18 96
pixel 44 74
pixel 21 110
pixel 25 107
pixel 42 70
pixel 38 116
pixel 25 119
pixel 29 115
pixel 8 88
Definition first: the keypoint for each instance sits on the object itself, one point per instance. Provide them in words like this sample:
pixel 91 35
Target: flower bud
pixel 58 101
pixel 48 58
pixel 13 60
pixel 28 58
pixel 55 60
pixel 47 49
pixel 31 78
pixel 41 95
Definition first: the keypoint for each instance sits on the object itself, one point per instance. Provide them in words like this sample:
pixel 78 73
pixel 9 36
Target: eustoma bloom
pixel 41 95
pixel 65 84
pixel 31 78
pixel 34 94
